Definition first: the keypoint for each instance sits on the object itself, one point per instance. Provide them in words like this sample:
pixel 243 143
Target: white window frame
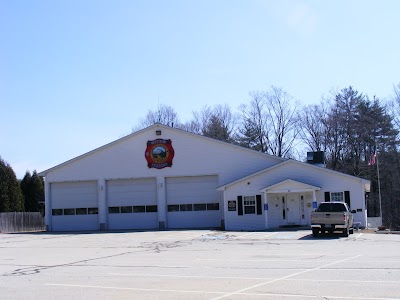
pixel 249 202
pixel 337 196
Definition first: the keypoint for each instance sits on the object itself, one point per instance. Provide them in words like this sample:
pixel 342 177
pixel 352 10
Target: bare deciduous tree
pixel 218 122
pixel 281 117
pixel 253 132
pixel 165 115
pixel 312 127
pixel 269 122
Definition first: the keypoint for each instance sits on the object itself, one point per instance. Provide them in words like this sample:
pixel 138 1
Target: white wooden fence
pixel 374 222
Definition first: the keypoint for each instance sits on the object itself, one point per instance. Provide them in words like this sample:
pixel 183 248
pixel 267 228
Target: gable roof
pixel 295 186
pixel 291 161
pixel 152 127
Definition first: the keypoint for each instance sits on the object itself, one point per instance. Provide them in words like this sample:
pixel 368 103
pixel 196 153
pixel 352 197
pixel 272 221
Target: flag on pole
pixel 372 158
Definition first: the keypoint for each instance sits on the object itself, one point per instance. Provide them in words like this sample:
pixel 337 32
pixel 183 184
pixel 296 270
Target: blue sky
pixel 75 75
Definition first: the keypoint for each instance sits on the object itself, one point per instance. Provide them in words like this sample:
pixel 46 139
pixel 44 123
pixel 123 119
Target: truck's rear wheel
pixel 346 232
pixel 315 232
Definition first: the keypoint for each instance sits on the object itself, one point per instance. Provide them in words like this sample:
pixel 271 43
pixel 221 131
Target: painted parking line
pixel 181 235
pixel 243 235
pixel 255 235
pixel 264 295
pixel 263 260
pixel 290 296
pixel 360 234
pixel 284 277
pixel 188 276
pixel 311 255
pixel 129 288
pixel 287 235
pixel 251 278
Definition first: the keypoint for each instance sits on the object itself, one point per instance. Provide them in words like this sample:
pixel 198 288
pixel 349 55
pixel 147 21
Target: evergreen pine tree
pixel 36 191
pixel 25 187
pixel 32 187
pixel 11 197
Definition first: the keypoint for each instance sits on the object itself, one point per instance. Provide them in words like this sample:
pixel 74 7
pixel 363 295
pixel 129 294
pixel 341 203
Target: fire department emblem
pixel 159 153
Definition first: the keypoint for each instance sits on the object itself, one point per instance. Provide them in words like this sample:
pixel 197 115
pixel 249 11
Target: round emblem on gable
pixel 159 153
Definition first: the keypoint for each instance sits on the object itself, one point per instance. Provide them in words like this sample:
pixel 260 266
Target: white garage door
pixel 74 206
pixel 193 202
pixel 132 204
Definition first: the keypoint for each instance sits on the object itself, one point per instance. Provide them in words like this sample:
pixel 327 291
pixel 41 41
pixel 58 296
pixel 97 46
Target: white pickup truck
pixel 330 217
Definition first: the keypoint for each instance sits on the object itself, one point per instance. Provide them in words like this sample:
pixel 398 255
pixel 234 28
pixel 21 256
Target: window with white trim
pixel 249 205
pixel 337 196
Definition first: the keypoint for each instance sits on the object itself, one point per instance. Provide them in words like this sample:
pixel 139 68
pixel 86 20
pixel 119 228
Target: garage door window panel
pixel 126 209
pixel 139 209
pixel 186 207
pixel 199 207
pixel 93 211
pixel 113 210
pixel 69 211
pixel 212 206
pixel 173 207
pixel 81 211
pixel 57 212
pixel 151 208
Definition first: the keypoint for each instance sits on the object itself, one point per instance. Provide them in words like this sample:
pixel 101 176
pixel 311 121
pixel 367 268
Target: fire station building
pixel 163 178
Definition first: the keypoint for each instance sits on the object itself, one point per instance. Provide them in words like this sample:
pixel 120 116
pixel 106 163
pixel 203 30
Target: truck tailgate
pixel 327 218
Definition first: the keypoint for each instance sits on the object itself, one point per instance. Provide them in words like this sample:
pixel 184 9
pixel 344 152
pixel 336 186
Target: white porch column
pixel 314 199
pixel 47 204
pixel 161 203
pixel 266 211
pixel 102 204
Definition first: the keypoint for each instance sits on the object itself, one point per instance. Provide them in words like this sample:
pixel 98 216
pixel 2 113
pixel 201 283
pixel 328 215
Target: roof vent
pixel 316 158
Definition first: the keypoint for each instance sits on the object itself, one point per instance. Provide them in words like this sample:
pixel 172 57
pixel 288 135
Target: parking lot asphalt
pixel 199 264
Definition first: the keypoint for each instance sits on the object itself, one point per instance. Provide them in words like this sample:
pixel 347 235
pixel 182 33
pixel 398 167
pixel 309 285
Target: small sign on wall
pixel 232 205
pixel 265 206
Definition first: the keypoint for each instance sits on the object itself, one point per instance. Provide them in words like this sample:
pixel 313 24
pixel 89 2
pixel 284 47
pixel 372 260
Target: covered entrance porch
pixel 289 202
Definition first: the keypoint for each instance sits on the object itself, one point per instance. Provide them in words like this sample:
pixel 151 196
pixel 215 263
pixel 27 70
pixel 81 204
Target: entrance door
pixel 293 209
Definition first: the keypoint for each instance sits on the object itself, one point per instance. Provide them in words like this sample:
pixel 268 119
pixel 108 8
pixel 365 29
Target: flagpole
pixel 379 187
